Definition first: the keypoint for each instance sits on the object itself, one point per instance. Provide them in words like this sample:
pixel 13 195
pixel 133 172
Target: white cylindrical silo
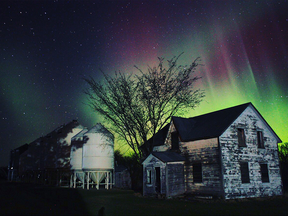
pixel 76 159
pixel 77 142
pixel 98 149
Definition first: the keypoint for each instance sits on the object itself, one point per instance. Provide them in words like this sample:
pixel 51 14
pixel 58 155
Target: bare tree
pixel 138 106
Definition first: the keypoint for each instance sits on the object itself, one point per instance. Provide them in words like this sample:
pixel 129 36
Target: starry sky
pixel 48 47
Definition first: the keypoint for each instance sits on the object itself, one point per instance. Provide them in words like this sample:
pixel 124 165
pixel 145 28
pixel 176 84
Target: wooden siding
pixel 175 179
pixel 171 177
pixel 168 143
pixel 232 155
pixel 205 152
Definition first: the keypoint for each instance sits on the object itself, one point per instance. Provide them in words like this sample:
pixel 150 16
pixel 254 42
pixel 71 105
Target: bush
pixel 283 156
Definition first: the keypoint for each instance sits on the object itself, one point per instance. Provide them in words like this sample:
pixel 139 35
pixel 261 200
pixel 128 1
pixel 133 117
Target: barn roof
pixel 80 135
pixel 99 128
pixel 168 156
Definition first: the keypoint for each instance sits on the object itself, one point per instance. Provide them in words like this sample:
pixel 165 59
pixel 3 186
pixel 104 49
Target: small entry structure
pixel 163 174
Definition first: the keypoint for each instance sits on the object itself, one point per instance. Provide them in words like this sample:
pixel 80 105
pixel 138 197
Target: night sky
pixel 48 47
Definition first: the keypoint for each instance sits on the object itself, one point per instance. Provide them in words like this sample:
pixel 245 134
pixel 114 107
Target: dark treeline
pixel 283 155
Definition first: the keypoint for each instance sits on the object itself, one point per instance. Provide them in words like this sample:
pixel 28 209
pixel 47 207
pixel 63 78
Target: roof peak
pixel 209 125
pixel 240 105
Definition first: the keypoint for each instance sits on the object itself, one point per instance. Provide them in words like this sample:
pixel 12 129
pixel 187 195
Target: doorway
pixel 158 180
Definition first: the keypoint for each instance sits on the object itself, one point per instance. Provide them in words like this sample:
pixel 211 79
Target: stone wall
pixel 232 155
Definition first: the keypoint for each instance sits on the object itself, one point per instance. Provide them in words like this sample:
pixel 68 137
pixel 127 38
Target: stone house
pixel 230 153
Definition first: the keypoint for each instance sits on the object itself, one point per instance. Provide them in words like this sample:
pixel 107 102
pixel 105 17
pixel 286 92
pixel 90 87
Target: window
pixel 175 141
pixel 149 178
pixel 260 139
pixel 264 172
pixel 241 137
pixel 197 173
pixel 244 172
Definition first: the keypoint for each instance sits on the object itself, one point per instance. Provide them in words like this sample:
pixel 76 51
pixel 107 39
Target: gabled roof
pixel 168 156
pixel 204 126
pixel 99 128
pixel 79 136
pixel 212 124
pixel 21 149
pixel 158 138
pixel 209 125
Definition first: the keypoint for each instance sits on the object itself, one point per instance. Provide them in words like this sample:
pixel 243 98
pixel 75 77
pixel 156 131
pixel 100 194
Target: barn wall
pixel 48 157
pixel 232 155
pixel 13 167
pixel 205 152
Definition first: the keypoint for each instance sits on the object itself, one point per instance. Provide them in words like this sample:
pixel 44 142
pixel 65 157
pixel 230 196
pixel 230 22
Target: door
pixel 157 180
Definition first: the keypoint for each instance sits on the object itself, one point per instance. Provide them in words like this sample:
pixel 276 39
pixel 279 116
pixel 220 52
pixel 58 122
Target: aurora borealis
pixel 47 47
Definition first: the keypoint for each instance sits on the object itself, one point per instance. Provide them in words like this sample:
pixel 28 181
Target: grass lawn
pixel 31 199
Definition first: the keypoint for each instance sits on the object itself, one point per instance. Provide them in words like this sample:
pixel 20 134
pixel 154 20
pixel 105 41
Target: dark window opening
pixel 244 172
pixel 197 173
pixel 158 179
pixel 241 137
pixel 260 139
pixel 264 172
pixel 149 176
pixel 175 141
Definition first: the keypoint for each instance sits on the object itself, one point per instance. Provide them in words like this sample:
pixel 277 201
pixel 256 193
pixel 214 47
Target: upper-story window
pixel 241 137
pixel 260 140
pixel 174 141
